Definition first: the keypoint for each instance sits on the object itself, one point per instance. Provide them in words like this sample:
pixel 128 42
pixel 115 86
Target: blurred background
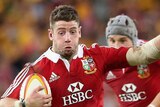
pixel 24 29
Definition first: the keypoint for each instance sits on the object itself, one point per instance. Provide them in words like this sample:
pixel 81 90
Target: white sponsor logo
pixel 130 95
pixel 129 88
pixel 76 96
pixel 75 87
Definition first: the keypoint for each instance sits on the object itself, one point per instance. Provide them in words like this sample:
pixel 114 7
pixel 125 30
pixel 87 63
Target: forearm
pixel 155 102
pixel 145 54
pixel 157 42
pixel 8 102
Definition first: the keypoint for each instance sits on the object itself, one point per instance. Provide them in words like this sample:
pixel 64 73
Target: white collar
pixel 55 57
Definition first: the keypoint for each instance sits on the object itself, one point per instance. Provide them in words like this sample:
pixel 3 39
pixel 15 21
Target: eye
pixel 112 40
pixel 61 33
pixel 123 41
pixel 73 32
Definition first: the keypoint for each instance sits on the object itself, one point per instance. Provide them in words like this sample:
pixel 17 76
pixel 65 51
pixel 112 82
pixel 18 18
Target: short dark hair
pixel 64 13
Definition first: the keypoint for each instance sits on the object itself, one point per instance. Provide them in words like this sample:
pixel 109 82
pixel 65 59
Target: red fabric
pixel 80 86
pixel 132 89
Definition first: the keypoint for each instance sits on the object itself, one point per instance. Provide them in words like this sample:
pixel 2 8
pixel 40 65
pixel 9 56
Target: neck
pixel 69 58
pixel 66 56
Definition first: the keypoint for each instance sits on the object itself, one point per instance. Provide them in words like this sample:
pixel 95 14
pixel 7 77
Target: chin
pixel 67 54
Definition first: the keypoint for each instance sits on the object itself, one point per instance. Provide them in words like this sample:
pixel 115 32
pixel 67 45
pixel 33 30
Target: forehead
pixel 65 24
pixel 118 37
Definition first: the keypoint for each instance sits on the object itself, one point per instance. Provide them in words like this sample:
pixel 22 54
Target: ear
pixel 50 35
pixel 80 27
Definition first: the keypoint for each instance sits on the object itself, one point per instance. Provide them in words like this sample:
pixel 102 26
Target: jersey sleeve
pixel 14 89
pixel 108 58
pixel 114 58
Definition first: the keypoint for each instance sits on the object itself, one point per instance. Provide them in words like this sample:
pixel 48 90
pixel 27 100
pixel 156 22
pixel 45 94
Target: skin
pixel 156 101
pixel 118 41
pixel 65 38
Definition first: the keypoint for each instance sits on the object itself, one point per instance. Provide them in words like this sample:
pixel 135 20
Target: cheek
pixel 128 44
pixel 57 43
pixel 110 43
pixel 116 45
pixel 76 41
pixel 75 38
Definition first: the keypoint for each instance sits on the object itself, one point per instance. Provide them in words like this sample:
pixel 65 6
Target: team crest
pixel 88 65
pixel 143 71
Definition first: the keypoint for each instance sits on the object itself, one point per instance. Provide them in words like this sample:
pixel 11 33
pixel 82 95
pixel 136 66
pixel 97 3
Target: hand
pixel 35 99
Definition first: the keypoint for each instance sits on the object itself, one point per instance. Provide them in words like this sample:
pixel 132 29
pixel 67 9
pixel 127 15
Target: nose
pixel 117 45
pixel 67 37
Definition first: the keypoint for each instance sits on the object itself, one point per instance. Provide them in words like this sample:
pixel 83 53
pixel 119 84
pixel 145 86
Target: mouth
pixel 68 51
pixel 68 48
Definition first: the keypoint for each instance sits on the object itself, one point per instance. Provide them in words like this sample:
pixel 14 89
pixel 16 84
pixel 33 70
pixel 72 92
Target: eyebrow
pixel 65 28
pixel 119 38
pixel 73 28
pixel 61 28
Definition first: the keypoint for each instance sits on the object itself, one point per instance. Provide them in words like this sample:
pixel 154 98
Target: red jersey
pixel 135 86
pixel 74 84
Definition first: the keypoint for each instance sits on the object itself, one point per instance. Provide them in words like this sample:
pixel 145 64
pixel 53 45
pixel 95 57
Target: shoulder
pixel 95 47
pixel 46 60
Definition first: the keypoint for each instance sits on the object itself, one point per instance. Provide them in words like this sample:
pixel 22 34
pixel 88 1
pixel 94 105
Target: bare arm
pixel 157 42
pixel 8 102
pixel 145 54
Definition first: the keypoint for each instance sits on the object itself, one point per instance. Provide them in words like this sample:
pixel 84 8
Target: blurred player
pixel 75 73
pixel 134 86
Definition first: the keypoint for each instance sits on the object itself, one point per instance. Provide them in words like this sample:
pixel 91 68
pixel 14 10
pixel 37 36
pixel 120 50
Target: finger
pixel 47 105
pixel 47 96
pixel 37 89
pixel 46 101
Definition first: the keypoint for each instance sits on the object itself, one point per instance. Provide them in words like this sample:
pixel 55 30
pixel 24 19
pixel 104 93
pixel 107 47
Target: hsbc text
pixel 129 97
pixel 77 97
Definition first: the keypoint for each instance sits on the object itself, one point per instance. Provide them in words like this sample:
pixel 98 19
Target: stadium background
pixel 24 24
